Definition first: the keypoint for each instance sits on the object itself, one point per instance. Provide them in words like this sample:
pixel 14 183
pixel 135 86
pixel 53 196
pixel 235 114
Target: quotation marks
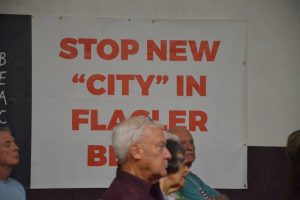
pixel 164 79
pixel 78 78
pixel 160 79
pixel 110 84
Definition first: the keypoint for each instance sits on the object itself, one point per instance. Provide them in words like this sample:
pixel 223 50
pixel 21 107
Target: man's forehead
pixel 154 132
pixel 5 136
pixel 182 133
pixel 153 129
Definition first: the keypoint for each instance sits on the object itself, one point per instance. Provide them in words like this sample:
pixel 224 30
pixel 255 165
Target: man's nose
pixel 190 146
pixel 167 154
pixel 16 147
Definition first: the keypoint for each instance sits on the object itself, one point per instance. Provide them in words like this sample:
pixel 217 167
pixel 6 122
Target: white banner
pixel 88 74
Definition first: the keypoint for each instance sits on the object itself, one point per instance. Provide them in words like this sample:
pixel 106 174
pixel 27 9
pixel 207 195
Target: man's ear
pixel 135 151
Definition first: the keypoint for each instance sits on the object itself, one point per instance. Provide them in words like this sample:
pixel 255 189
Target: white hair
pixel 170 136
pixel 128 132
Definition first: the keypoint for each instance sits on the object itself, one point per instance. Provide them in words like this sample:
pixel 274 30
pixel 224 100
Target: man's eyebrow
pixel 162 142
pixel 7 142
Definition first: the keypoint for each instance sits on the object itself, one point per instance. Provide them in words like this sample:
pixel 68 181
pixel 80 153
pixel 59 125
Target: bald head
pixel 187 142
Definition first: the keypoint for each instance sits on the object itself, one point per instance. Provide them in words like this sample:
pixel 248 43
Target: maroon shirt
pixel 128 187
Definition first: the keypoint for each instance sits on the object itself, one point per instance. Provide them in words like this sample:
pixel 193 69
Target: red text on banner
pixel 193 119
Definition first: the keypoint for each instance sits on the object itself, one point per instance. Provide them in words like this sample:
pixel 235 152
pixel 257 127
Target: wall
pixel 273 95
pixel 267 175
pixel 273 69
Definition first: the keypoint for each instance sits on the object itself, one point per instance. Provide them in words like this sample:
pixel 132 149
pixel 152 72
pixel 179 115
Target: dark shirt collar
pixel 133 180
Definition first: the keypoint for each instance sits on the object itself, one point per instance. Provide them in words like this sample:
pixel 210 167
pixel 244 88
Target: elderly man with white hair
pixel 10 189
pixel 140 147
pixel 194 188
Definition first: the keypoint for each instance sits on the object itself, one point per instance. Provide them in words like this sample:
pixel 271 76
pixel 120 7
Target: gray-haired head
pixel 177 155
pixel 170 136
pixel 129 132
pixel 5 129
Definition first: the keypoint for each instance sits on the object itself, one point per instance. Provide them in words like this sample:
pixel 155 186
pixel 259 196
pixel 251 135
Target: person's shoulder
pixel 192 182
pixel 12 189
pixel 14 182
pixel 195 177
pixel 118 190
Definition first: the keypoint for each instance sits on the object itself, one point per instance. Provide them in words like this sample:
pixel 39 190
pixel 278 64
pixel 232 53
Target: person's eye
pixel 161 147
pixel 7 144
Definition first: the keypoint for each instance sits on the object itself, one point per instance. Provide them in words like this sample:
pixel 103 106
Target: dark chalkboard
pixel 15 44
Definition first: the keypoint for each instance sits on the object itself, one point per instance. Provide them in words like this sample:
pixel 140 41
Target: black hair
pixel 174 163
pixel 293 152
